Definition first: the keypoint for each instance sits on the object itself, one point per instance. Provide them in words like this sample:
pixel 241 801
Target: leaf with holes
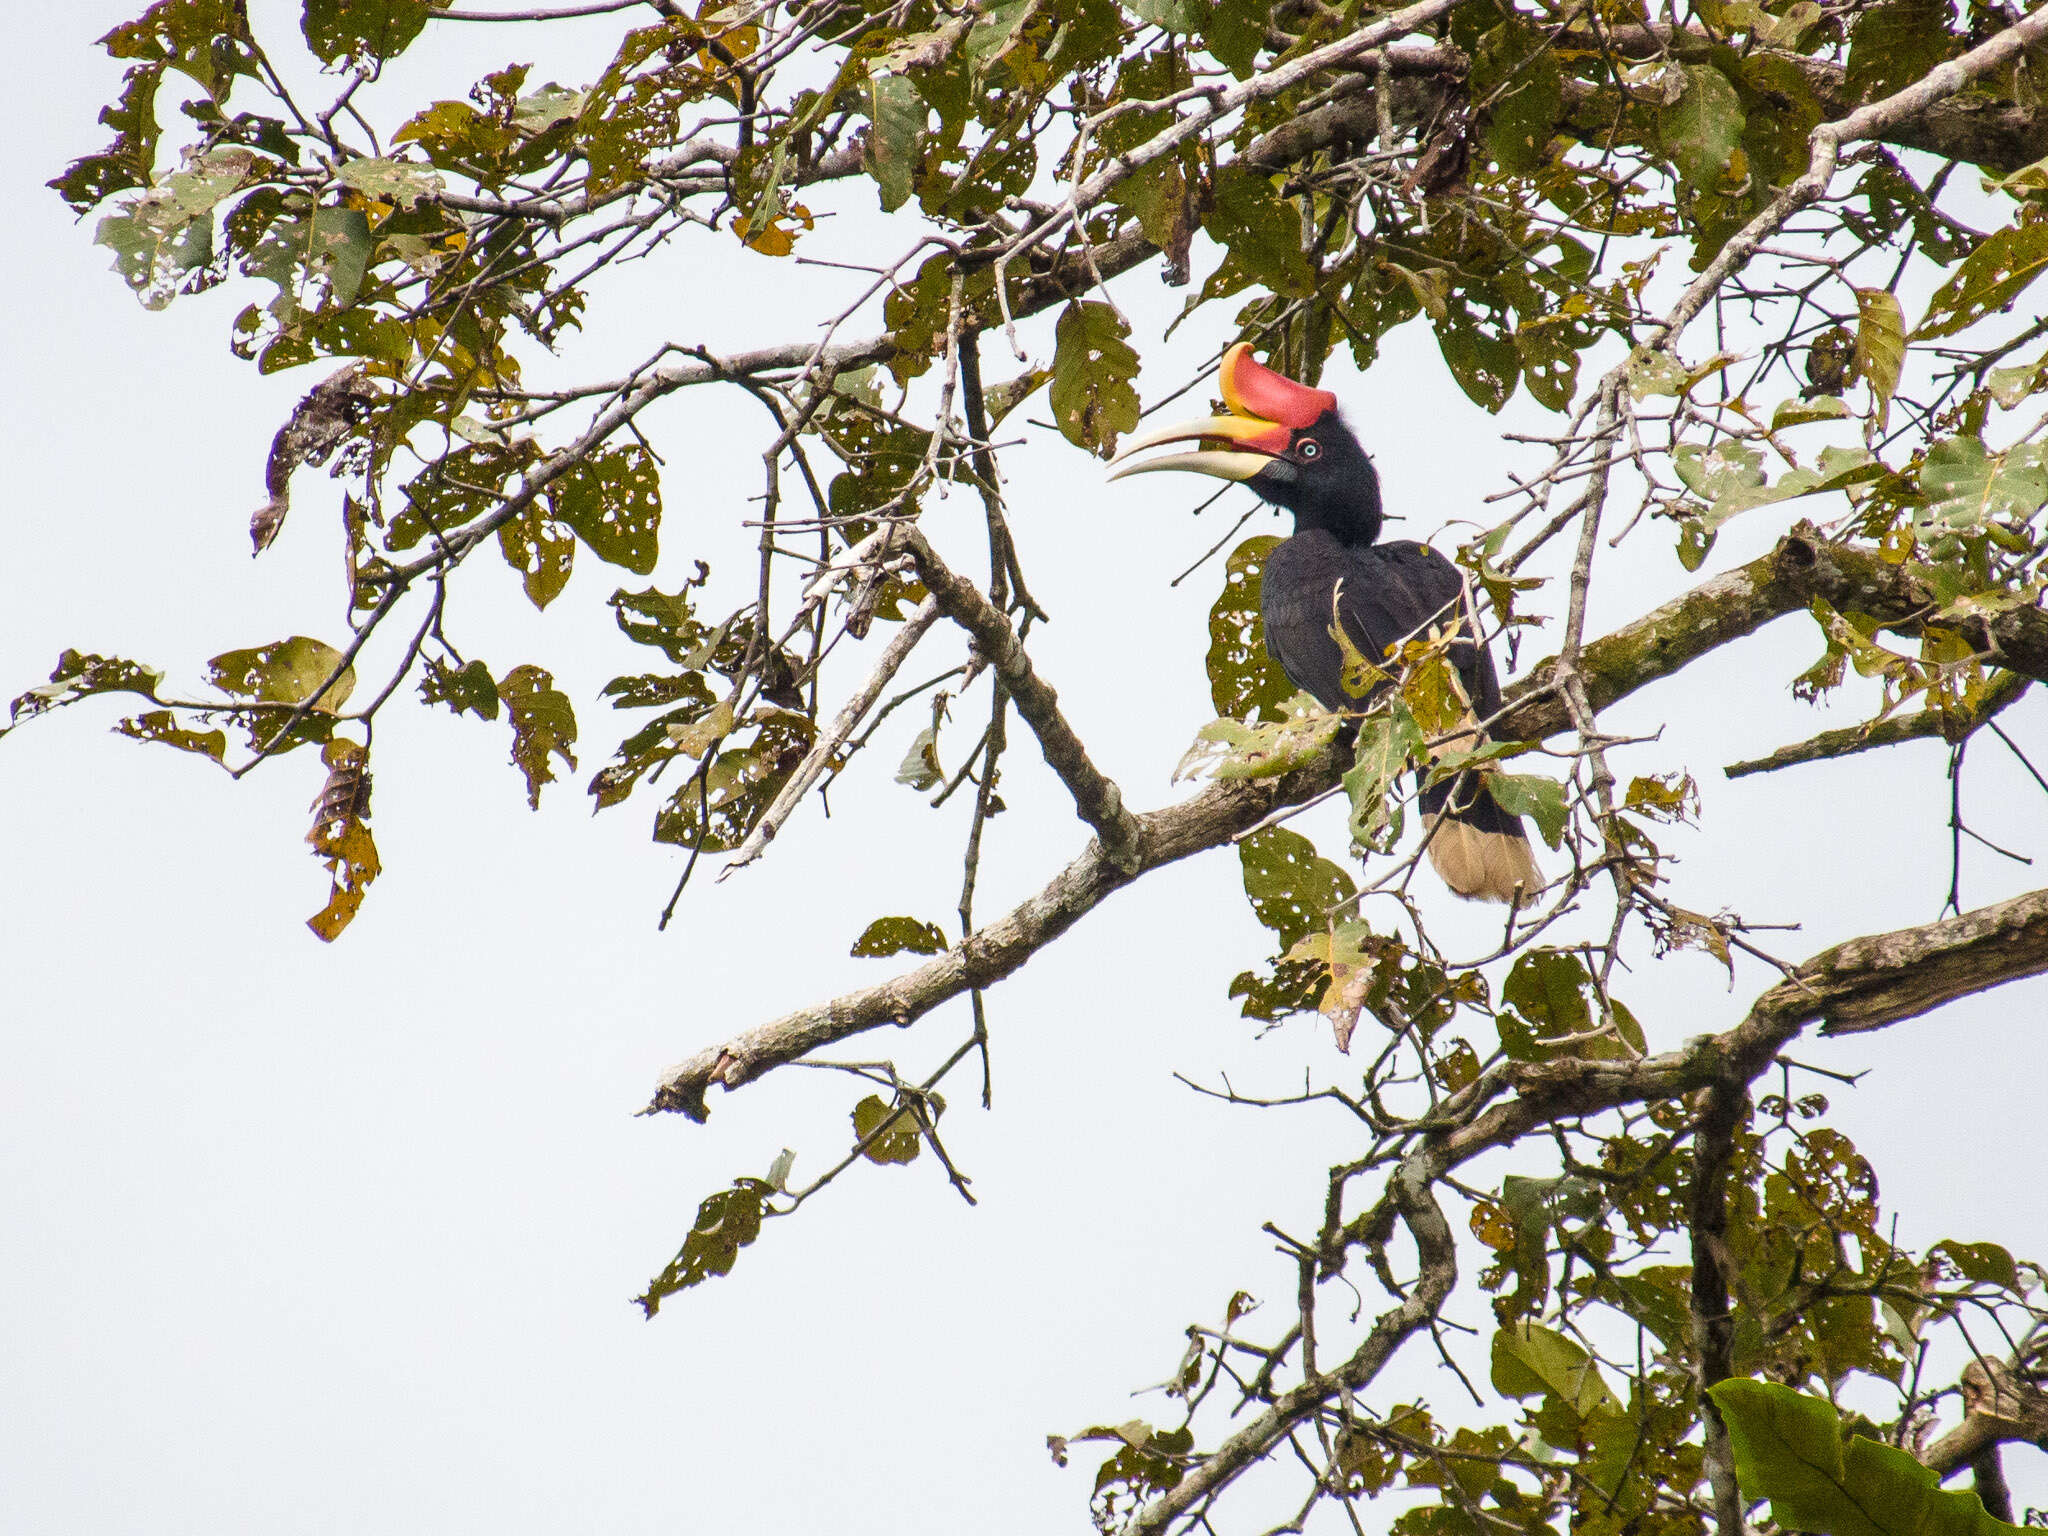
pixel 1092 368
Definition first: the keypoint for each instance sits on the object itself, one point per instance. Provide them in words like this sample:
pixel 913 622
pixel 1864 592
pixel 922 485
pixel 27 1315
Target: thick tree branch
pixel 1615 666
pixel 1721 1109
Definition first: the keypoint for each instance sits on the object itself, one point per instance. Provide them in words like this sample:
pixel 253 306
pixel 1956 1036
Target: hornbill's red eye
pixel 1308 448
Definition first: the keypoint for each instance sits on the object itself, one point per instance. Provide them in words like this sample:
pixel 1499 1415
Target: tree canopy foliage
pixel 1747 254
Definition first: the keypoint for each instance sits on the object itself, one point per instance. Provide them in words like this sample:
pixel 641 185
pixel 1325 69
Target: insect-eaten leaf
pixel 726 1222
pixel 920 767
pixel 896 1132
pixel 80 675
pixel 1260 749
pixel 341 835
pixel 543 725
pixel 899 935
pixel 1092 368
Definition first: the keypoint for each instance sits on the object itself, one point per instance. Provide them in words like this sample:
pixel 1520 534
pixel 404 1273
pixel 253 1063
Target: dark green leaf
pixel 726 1223
pixel 1291 887
pixel 1092 368
pixel 1261 230
pixel 1990 278
pixel 366 30
pixel 1703 127
pixel 613 502
pixel 897 115
pixel 543 726
pixel 897 935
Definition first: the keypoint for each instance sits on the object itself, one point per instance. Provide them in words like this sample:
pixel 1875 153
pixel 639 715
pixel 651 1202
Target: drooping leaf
pixel 898 1138
pixel 1092 368
pixel 341 836
pixel 543 725
pixel 1702 129
pixel 897 116
pixel 1880 344
pixel 1540 798
pixel 613 502
pixel 726 1222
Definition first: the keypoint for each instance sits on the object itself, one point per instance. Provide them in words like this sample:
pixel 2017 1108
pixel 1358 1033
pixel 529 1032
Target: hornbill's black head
pixel 1288 445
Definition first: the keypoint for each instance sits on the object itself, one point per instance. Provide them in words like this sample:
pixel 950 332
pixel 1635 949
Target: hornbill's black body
pixel 1293 450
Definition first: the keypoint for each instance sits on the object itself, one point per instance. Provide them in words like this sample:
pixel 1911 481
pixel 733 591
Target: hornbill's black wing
pixel 1383 595
pixel 1388 593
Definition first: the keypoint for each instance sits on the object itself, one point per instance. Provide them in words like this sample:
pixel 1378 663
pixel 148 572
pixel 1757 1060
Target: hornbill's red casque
pixel 1291 448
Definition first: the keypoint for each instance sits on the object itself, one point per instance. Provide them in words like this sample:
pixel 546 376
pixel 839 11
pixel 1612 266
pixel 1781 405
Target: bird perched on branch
pixel 1287 444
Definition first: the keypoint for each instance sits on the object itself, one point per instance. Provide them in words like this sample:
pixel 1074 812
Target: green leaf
pixel 1990 278
pixel 1387 740
pixel 1260 229
pixel 285 672
pixel 902 1139
pixel 1894 44
pixel 1239 749
pixel 467 689
pixel 897 116
pixel 340 250
pixel 1528 1359
pixel 1551 996
pixel 1788 1448
pixel 1518 73
pixel 1243 676
pixel 1880 344
pixel 362 30
pixel 613 502
pixel 542 550
pixel 1986 1263
pixel 1092 368
pixel 1533 795
pixel 899 935
pixel 543 726
pixel 726 1222
pixel 1290 886
pixel 160 725
pixel 399 182
pixel 1702 129
pixel 79 675
pixel 1481 357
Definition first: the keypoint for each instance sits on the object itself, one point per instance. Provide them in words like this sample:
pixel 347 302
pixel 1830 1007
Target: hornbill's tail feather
pixel 1479 850
pixel 1481 865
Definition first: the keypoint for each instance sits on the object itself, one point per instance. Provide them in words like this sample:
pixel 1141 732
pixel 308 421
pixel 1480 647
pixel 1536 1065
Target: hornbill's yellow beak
pixel 1266 408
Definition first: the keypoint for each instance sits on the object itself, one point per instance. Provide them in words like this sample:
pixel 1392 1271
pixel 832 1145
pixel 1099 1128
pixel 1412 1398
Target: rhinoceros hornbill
pixel 1289 446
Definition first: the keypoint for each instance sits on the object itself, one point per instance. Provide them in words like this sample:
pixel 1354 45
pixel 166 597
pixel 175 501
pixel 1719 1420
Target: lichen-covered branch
pixel 1656 646
pixel 2003 691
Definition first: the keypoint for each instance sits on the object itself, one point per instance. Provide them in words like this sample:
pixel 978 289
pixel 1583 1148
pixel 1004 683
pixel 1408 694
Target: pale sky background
pixel 311 1239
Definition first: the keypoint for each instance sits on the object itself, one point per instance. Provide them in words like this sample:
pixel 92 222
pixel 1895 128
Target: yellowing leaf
pixel 1880 344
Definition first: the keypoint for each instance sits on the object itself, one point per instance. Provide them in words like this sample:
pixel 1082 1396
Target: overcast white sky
pixel 307 1239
